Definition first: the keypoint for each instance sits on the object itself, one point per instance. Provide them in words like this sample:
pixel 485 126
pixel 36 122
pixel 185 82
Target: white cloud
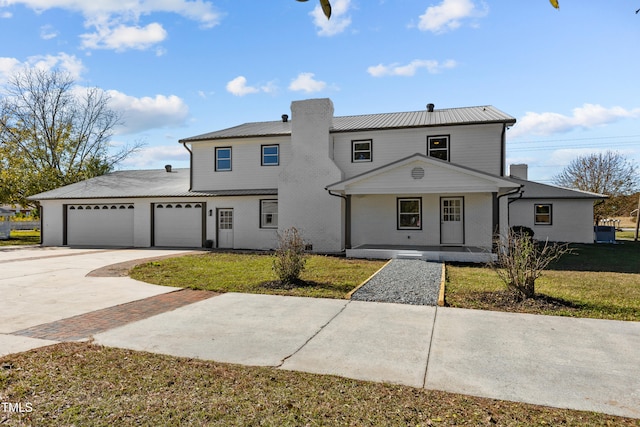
pixel 8 66
pixel 62 61
pixel 116 21
pixel 586 117
pixel 339 19
pixel 410 69
pixel 6 15
pixel 239 87
pixel 448 15
pixel 140 114
pixel 121 37
pixel 47 32
pixel 306 83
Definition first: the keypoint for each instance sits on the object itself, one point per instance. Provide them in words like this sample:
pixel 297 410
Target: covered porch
pixel 427 253
pixel 423 208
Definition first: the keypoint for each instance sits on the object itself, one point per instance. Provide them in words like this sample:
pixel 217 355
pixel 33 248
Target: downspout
pixel 184 143
pixel 347 220
pixel 503 147
pixel 518 191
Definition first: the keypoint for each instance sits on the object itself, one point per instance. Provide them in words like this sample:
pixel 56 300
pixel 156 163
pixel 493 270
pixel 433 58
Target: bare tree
pixel 607 173
pixel 604 173
pixel 53 134
pixel 521 261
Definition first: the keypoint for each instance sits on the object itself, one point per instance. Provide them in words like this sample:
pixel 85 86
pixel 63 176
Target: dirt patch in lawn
pixel 507 301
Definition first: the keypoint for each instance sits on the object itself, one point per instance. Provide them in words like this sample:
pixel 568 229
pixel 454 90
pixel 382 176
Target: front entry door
pixel 225 228
pixel 452 220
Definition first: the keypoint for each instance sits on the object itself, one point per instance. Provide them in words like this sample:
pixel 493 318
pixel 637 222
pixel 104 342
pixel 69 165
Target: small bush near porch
pixel 323 277
pixel 598 281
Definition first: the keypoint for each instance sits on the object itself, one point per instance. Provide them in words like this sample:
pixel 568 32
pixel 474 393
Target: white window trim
pixel 277 155
pixel 447 148
pixel 535 214
pixel 353 150
pixel 262 214
pixel 399 213
pixel 230 159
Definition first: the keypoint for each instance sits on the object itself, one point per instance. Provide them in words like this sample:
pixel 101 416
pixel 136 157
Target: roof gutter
pixel 518 191
pixel 184 144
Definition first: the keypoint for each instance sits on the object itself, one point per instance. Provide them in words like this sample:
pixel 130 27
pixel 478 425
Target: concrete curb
pixel 348 296
pixel 441 301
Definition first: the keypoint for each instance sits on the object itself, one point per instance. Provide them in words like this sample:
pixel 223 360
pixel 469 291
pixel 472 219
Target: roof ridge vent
pixel 285 118
pixel 430 107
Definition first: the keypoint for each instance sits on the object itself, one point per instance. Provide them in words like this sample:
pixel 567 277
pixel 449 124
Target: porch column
pixel 347 222
pixel 496 221
pixel 496 213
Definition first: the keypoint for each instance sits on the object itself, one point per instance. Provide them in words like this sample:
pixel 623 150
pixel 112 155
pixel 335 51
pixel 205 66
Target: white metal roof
pixel 442 117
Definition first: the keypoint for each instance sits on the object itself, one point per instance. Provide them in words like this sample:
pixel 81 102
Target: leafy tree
pixel 53 134
pixel 604 173
pixel 326 7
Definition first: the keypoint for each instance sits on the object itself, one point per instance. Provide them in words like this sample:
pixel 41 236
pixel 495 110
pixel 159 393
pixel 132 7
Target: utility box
pixel 604 234
pixel 5 224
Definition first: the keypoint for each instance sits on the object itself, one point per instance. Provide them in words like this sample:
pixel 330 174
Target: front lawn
pixel 79 384
pixel 598 281
pixel 324 276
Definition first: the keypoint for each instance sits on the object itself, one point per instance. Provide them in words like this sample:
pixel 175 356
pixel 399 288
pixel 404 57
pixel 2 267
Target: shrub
pixel 521 261
pixel 290 256
pixel 522 229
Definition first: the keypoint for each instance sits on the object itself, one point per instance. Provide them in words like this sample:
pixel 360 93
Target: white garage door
pixel 100 225
pixel 178 225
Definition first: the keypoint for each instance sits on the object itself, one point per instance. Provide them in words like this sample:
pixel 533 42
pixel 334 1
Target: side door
pixel 225 228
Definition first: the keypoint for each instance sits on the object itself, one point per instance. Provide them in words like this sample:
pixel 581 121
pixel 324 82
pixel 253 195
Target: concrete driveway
pixel 42 285
pixel 581 364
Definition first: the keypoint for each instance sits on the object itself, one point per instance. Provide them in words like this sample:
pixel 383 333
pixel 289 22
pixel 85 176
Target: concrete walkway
pixel 582 364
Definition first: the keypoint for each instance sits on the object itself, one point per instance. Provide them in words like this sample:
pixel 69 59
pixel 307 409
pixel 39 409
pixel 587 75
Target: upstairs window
pixel 543 214
pixel 270 155
pixel 268 214
pixel 438 147
pixel 361 151
pixel 223 159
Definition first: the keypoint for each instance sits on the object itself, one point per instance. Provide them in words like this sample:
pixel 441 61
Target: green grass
pixel 86 385
pixel 598 281
pixel 625 235
pixel 324 276
pixel 22 237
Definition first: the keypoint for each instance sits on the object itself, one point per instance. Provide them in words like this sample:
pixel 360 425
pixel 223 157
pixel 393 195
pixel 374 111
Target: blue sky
pixel 179 68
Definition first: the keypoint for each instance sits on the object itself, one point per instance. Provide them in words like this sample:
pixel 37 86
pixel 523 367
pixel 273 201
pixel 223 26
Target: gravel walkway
pixel 404 281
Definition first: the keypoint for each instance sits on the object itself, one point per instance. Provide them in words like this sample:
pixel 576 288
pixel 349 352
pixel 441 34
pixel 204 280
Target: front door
pixel 452 220
pixel 225 228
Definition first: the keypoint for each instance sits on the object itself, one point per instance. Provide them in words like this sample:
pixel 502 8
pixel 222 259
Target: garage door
pixel 178 225
pixel 100 225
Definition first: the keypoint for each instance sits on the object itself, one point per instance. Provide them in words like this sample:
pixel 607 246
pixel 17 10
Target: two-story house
pixel 427 183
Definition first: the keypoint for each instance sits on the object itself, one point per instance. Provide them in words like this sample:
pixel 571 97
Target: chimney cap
pixel 167 168
pixel 430 107
pixel 285 118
